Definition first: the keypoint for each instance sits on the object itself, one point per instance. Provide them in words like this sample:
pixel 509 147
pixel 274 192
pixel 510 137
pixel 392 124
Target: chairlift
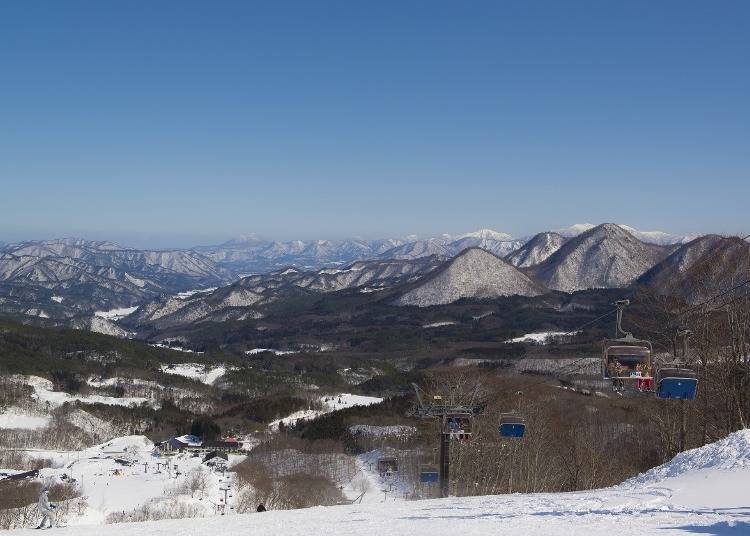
pixel 458 426
pixel 680 383
pixel 512 425
pixel 387 465
pixel 429 473
pixel 676 380
pixel 627 361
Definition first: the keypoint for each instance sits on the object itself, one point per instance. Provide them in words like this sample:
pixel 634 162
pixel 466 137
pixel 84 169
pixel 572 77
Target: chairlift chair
pixel 387 465
pixel 458 426
pixel 512 425
pixel 627 360
pixel 676 379
pixel 680 383
pixel 429 473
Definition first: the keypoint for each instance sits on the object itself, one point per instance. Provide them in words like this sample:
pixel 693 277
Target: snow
pixel 16 418
pixel 487 234
pixel 377 489
pixel 175 348
pixel 728 454
pixel 439 324
pixel 190 293
pixel 196 371
pixel 112 487
pixel 383 431
pixel 330 403
pixel 703 491
pixel 116 314
pixel 543 337
pixel 369 290
pixel 43 392
pixel 58 299
pixel 256 351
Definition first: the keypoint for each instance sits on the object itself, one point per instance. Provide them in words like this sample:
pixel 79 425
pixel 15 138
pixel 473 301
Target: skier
pixel 47 509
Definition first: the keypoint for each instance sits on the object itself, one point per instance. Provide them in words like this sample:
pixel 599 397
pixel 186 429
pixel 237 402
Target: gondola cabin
pixel 512 425
pixel 458 426
pixel 429 473
pixel 679 383
pixel 628 363
pixel 387 465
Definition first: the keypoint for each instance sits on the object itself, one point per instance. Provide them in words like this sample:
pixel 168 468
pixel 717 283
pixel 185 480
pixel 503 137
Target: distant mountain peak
pixel 474 273
pixel 486 234
pixel 575 229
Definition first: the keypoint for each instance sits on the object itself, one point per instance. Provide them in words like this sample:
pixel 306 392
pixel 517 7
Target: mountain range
pixel 70 278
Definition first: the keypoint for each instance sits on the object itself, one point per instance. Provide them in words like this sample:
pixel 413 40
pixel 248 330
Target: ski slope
pixel 329 403
pixel 703 491
pixel 196 371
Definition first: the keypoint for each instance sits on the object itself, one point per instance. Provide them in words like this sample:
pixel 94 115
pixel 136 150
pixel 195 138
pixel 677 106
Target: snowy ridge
pixel 536 250
pixel 730 453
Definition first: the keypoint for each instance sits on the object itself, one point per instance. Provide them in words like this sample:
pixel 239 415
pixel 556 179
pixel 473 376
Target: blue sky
pixel 177 123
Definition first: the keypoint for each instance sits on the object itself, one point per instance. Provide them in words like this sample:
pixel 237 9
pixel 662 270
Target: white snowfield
pixel 330 403
pixel 116 314
pixel 196 371
pixel 543 337
pixel 112 487
pixel 44 392
pixel 16 418
pixel 256 351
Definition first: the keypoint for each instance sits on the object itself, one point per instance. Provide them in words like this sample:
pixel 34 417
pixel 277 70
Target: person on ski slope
pixel 47 509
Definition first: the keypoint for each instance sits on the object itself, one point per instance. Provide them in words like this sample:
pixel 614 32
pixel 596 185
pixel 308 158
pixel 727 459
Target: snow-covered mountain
pixel 575 229
pixel 500 244
pixel 658 237
pixel 420 248
pixel 247 297
pixel 252 254
pixel 249 253
pixel 606 256
pixel 700 268
pixel 536 250
pixel 475 273
pixel 486 234
pixel 71 276
pixel 650 237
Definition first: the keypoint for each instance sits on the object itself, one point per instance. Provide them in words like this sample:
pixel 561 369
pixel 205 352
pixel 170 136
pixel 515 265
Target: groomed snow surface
pixel 543 337
pixel 196 371
pixel 44 392
pixel 18 419
pixel 330 403
pixel 703 491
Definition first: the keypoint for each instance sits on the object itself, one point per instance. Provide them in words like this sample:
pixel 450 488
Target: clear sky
pixel 176 123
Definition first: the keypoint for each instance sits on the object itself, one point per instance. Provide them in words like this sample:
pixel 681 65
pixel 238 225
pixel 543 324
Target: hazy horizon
pixel 166 241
